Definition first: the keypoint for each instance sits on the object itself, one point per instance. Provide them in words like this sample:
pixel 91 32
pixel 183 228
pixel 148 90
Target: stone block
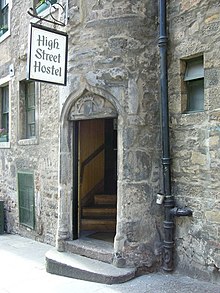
pixel 213 216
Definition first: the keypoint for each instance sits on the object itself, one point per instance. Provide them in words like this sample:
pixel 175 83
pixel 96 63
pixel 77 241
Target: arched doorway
pixel 95 178
pixel 90 138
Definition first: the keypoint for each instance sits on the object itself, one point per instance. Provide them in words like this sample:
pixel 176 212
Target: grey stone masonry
pixel 193 31
pixel 112 60
pixel 113 63
pixel 113 72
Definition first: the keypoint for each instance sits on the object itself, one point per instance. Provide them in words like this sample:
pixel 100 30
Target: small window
pixel 4 16
pixel 27 110
pixel 4 129
pixel 26 199
pixel 194 84
pixel 41 5
pixel 30 109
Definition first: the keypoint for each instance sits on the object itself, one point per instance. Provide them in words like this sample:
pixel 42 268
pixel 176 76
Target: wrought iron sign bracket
pixel 32 12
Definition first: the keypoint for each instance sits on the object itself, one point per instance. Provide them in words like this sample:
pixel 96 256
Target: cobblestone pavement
pixel 22 269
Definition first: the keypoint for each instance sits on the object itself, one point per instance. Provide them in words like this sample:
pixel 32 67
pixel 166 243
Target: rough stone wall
pixel 113 49
pixel 113 52
pixel 40 155
pixel 194 29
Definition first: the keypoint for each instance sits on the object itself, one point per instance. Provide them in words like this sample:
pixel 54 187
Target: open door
pixel 97 175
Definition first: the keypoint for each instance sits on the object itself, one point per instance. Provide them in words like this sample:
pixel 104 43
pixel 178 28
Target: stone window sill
pixel 5 36
pixel 28 141
pixel 5 145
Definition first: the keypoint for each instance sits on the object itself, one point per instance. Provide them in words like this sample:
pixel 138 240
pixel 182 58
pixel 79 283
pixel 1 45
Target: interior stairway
pixel 100 215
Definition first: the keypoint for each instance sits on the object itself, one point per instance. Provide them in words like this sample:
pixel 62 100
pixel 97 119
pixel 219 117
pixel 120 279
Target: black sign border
pixel 30 47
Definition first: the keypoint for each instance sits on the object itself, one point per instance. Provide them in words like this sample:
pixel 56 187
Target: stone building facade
pixel 114 75
pixel 193 31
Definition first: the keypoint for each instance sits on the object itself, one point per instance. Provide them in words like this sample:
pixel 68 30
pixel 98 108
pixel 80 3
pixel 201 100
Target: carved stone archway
pixel 91 106
pixel 88 106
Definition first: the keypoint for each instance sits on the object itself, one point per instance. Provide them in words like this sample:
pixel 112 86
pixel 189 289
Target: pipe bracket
pixel 181 212
pixel 162 41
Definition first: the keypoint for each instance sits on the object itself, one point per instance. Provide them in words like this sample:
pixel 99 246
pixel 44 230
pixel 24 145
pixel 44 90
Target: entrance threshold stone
pixel 83 268
pixel 92 248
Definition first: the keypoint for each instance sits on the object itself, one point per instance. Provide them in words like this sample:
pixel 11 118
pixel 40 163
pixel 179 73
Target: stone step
pixel 98 224
pixel 83 268
pixel 105 199
pixel 99 212
pixel 92 248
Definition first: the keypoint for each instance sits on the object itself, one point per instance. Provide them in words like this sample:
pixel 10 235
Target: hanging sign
pixel 47 55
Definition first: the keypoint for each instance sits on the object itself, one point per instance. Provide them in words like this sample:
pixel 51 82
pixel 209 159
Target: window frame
pixel 195 102
pixel 4 14
pixel 23 137
pixel 5 28
pixel 5 82
pixel 29 109
pixel 40 6
pixel 193 85
pixel 5 108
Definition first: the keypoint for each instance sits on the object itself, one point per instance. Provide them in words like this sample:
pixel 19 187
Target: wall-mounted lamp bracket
pixel 32 12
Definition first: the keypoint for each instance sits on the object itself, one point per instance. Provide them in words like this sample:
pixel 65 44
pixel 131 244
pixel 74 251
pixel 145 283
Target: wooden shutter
pixel 26 199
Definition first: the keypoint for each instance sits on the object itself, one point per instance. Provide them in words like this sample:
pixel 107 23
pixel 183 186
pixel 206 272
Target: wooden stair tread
pixel 99 206
pixel 98 212
pixel 105 199
pixel 101 216
pixel 101 221
pixel 98 224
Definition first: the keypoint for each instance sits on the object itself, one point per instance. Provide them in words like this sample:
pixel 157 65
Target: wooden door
pixel 91 157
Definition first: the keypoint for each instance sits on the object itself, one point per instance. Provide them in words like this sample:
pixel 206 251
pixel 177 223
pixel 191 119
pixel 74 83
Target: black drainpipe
pixel 169 209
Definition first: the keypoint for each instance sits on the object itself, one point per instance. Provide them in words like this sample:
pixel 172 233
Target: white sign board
pixel 47 55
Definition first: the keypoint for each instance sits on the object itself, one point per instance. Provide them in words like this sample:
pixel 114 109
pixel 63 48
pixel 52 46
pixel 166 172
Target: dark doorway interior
pixel 110 183
pixel 95 161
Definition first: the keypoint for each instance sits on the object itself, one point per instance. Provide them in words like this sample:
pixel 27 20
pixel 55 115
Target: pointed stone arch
pixel 88 103
pixel 91 106
pixel 87 90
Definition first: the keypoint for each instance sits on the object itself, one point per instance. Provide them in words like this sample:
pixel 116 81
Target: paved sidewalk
pixel 22 270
